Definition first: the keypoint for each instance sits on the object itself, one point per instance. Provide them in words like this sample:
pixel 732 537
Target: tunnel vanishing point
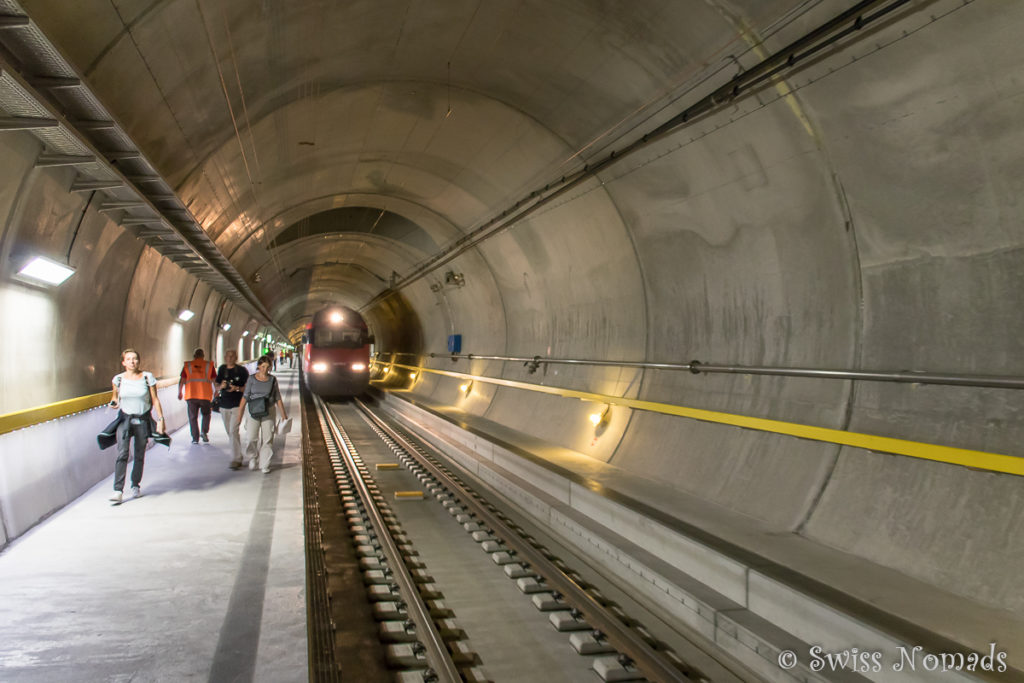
pixel 776 247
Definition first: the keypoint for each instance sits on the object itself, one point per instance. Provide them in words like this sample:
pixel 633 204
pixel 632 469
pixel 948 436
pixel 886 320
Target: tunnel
pixel 767 255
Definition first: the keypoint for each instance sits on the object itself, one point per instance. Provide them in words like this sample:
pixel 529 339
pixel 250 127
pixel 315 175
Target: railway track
pixel 460 590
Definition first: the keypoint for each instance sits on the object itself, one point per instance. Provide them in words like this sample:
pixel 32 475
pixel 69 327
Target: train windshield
pixel 338 337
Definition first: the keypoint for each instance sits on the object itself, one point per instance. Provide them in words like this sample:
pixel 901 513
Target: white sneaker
pixel 136 492
pixel 116 497
pixel 266 470
pixel 252 464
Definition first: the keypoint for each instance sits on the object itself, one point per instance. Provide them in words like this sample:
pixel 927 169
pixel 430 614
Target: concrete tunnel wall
pixel 66 342
pixel 870 228
pixel 871 219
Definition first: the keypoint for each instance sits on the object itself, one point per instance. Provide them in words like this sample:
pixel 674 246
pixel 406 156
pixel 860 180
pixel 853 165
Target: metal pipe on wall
pixel 697 367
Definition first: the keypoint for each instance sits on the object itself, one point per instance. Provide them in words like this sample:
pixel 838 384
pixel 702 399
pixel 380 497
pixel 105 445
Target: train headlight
pixel 358 367
pixel 319 367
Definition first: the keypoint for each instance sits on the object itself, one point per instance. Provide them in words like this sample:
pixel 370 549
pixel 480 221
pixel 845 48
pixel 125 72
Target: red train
pixel 336 353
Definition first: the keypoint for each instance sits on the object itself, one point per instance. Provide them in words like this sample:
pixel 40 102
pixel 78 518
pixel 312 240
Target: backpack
pixel 259 406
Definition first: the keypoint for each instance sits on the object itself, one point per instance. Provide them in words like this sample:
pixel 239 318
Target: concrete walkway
pixel 201 579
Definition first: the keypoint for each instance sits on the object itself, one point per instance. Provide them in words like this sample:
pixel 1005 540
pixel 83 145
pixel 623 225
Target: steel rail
pixel 697 367
pixel 623 638
pixel 435 649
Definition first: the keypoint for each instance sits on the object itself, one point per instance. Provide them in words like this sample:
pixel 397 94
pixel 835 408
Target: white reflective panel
pixel 28 319
pixel 174 350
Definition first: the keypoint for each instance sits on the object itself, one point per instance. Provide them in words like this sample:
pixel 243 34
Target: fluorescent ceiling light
pixel 47 271
pixel 184 315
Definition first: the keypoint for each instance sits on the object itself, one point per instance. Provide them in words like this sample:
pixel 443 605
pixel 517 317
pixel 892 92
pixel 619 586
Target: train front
pixel 336 353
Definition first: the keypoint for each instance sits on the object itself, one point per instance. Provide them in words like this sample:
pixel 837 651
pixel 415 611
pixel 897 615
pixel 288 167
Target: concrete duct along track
pixel 859 211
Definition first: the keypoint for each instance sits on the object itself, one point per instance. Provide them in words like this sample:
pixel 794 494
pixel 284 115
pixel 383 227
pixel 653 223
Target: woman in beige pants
pixel 261 391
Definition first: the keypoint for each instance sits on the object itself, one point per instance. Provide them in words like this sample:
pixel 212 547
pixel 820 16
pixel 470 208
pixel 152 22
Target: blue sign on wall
pixel 454 343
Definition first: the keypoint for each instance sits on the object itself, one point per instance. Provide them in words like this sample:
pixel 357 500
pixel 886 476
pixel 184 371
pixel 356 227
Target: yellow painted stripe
pixel 408 494
pixel 33 416
pixel 994 462
pixel 387 466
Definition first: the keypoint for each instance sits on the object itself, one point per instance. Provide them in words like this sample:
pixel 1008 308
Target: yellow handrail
pixel 20 419
pixel 981 460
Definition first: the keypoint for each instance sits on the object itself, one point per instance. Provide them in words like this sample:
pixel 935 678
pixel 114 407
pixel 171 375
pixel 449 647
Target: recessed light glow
pixel 45 270
pixel 185 315
pixel 412 375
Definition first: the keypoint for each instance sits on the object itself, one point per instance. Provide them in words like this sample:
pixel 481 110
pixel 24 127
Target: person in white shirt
pixel 135 398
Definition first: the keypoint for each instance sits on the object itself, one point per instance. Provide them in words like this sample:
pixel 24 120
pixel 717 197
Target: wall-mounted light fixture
pixel 184 315
pixel 601 418
pixel 245 333
pixel 412 375
pixel 44 271
pixel 226 326
pixel 466 387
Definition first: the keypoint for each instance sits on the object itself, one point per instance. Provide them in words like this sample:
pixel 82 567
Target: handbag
pixel 215 404
pixel 258 407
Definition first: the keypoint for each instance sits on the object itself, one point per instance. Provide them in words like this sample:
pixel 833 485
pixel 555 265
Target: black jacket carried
pixel 108 437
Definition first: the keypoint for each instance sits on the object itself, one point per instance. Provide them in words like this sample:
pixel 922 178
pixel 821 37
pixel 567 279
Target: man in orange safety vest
pixel 197 382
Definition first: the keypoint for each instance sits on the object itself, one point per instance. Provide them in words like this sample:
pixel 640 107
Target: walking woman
pixel 135 398
pixel 257 408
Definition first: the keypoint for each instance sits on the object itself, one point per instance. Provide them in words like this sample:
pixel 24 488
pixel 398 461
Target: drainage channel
pixel 604 640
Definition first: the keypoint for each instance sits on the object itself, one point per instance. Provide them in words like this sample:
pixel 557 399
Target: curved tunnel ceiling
pixel 858 211
pixel 264 116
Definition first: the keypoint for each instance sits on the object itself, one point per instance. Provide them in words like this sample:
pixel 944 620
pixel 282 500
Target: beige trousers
pixel 259 437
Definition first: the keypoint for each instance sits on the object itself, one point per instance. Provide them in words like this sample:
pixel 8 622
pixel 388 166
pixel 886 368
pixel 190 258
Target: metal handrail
pixel 697 367
pixel 30 417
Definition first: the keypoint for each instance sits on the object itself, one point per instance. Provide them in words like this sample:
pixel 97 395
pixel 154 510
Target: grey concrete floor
pixel 202 578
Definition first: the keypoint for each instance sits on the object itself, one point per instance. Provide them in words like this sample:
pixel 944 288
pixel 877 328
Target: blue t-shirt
pixel 134 393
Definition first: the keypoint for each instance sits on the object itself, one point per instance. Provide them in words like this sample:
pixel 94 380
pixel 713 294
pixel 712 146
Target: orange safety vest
pixel 198 380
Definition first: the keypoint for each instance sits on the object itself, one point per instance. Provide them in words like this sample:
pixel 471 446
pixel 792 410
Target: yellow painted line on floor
pixel 994 462
pixel 387 466
pixel 408 494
